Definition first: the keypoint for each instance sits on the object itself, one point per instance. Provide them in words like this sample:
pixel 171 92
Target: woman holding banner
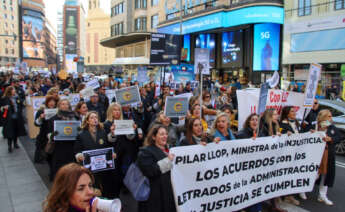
pixel 327 166
pixel 42 122
pixel 269 126
pixel 92 137
pixel 62 151
pixel 126 147
pixel 221 128
pixel 155 162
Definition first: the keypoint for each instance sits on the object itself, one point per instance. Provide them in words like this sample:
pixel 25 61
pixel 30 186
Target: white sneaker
pixel 303 196
pixel 324 200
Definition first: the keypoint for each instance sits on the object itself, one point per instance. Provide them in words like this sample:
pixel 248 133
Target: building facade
pixel 314 33
pixel 97 58
pixel 50 46
pixel 9 33
pixel 74 33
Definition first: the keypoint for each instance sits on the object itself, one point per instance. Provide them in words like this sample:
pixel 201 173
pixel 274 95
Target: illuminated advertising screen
pixel 70 66
pixel 71 30
pixel 33 38
pixel 165 49
pixel 185 54
pixel 207 41
pixel 266 47
pixel 232 48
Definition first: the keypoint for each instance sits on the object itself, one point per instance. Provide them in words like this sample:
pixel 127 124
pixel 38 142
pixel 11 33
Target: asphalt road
pixel 336 194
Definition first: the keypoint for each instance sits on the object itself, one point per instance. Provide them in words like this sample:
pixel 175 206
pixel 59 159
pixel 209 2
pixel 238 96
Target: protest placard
pixel 124 127
pixel 248 102
pixel 202 61
pixel 66 130
pixel 176 106
pixel 127 96
pixel 93 84
pixel 99 159
pixel 87 92
pixel 313 80
pixel 110 93
pixel 235 174
pixel 50 113
pixel 37 102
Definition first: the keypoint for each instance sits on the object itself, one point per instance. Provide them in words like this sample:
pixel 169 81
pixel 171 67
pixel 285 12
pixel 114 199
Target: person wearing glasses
pixel 310 121
pixel 209 103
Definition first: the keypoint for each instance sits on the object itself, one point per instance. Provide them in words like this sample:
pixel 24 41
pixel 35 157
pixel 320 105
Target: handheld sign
pixel 87 92
pixel 313 80
pixel 66 130
pixel 93 84
pixel 50 113
pixel 127 96
pixel 99 159
pixel 176 106
pixel 202 61
pixel 124 127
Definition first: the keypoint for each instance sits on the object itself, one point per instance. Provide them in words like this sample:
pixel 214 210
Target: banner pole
pixel 200 95
pixel 305 110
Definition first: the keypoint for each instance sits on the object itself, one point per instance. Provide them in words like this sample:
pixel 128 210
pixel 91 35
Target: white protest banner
pixel 248 102
pixel 50 113
pixel 37 102
pixel 99 159
pixel 158 89
pixel 87 92
pixel 274 80
pixel 176 106
pixel 127 96
pixel 235 174
pixel 110 93
pixel 313 80
pixel 93 84
pixel 188 95
pixel 124 127
pixel 202 61
pixel 74 99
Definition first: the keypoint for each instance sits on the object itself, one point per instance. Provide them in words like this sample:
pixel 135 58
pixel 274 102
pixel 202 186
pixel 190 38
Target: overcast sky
pixel 53 5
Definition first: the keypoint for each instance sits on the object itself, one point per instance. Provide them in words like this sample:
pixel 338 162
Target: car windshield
pixel 334 112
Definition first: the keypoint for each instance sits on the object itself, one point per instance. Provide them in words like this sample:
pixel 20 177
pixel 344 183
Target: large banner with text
pixel 235 174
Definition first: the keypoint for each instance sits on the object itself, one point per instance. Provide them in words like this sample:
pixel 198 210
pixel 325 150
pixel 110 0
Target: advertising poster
pixel 33 37
pixel 71 66
pixel 176 106
pixel 71 30
pixel 127 96
pixel 165 49
pixel 202 61
pixel 99 159
pixel 182 73
pixel 207 41
pixel 266 47
pixel 232 48
pixel 66 130
pixel 142 74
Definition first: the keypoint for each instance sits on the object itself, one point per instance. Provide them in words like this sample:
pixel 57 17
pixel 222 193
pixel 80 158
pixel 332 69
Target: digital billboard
pixel 165 49
pixel 185 54
pixel 207 41
pixel 33 37
pixel 71 30
pixel 266 47
pixel 232 48
pixel 71 66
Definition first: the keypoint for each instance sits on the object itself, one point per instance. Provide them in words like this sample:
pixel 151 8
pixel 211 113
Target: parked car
pixel 337 109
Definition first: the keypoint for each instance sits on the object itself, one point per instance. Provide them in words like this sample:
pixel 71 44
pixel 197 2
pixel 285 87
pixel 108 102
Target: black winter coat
pixel 285 127
pixel 99 108
pixel 12 128
pixel 244 133
pixel 41 139
pixel 161 197
pixel 105 180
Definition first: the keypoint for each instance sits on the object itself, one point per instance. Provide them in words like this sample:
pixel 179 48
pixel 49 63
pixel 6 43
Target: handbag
pixel 137 183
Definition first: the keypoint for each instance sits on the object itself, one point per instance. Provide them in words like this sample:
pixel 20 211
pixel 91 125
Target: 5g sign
pixel 265 35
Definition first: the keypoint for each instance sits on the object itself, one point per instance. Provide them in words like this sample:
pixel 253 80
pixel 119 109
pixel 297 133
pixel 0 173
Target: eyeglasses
pixel 315 103
pixel 207 96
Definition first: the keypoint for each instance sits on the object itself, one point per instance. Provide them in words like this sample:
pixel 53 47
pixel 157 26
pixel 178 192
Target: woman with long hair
pixel 81 110
pixel 196 112
pixel 11 107
pixel 41 121
pixel 91 137
pixel 155 162
pixel 250 127
pixel 195 133
pixel 221 128
pixel 62 151
pixel 327 166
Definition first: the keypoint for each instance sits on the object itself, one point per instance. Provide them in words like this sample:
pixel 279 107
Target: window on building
pixel 140 24
pixel 154 2
pixel 154 21
pixel 12 51
pixel 112 12
pixel 140 4
pixel 6 51
pixel 304 7
pixel 118 29
pixel 5 16
pixel 4 6
pixel 12 17
pixel 339 4
pixel 6 41
pixel 112 30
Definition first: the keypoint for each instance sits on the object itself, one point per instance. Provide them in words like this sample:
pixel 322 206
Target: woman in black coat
pixel 92 137
pixel 288 121
pixel 327 166
pixel 250 127
pixel 11 113
pixel 42 122
pixel 62 152
pixel 195 133
pixel 155 162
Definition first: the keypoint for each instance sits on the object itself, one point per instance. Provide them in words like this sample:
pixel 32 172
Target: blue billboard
pixel 185 55
pixel 249 15
pixel 207 41
pixel 266 47
pixel 232 48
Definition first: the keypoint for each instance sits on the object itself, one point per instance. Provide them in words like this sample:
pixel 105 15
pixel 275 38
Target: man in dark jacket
pixel 95 105
pixel 310 120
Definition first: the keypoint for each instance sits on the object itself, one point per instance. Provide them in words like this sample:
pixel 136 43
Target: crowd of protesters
pixel 212 120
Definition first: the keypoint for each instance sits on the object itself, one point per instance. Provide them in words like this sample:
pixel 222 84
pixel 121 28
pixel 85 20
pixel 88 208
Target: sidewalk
pixel 22 189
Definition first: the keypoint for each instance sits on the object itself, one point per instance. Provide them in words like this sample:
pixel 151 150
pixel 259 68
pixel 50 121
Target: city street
pixel 336 194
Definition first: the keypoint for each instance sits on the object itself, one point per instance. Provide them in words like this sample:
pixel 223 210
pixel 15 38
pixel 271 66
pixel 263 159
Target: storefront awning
pixel 131 61
pixel 126 39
